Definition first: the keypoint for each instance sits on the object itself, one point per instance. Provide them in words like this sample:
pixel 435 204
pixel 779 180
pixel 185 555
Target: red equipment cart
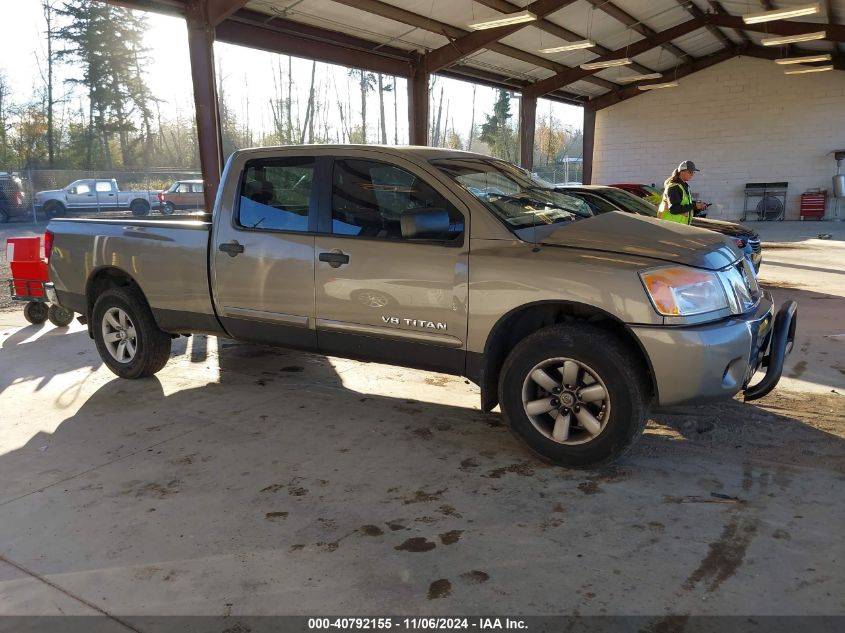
pixel 29 274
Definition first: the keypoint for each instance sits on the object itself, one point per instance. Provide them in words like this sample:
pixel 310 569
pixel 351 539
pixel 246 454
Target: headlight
pixel 683 291
pixel 741 286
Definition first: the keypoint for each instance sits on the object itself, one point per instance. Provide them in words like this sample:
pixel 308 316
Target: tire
pixel 600 430
pixel 139 208
pixel 125 310
pixel 59 316
pixel 54 209
pixel 167 208
pixel 35 312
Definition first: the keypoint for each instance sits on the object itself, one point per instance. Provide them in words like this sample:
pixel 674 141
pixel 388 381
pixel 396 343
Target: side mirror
pixel 72 190
pixel 424 224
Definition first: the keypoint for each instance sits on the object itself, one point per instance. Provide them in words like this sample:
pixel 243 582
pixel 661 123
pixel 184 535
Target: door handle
pixel 335 258
pixel 232 248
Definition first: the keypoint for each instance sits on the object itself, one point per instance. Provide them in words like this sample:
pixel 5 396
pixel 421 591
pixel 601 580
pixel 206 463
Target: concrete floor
pixel 250 480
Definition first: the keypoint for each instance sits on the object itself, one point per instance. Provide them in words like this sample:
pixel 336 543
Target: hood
pixel 48 191
pixel 619 232
pixel 725 228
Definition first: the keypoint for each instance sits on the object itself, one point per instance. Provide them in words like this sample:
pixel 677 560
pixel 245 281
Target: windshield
pixel 598 204
pixel 514 196
pixel 629 201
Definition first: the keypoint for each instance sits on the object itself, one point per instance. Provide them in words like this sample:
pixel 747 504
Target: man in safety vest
pixel 677 204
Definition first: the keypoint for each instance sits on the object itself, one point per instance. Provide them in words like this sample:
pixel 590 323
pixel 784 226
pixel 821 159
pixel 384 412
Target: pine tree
pixel 496 131
pixel 106 42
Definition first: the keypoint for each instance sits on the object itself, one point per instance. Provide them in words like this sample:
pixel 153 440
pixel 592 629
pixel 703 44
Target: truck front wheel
pixel 575 394
pixel 126 334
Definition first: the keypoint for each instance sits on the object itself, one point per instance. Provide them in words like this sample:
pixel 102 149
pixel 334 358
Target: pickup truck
pixel 442 260
pixel 95 195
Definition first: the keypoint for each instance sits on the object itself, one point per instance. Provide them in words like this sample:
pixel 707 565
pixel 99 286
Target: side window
pixel 196 187
pixel 183 188
pixel 276 194
pixel 103 185
pixel 369 198
pixel 83 187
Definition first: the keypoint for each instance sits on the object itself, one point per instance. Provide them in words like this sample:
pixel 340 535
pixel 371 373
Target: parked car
pixel 649 193
pixel 91 194
pixel 12 197
pixel 574 323
pixel 608 198
pixel 182 194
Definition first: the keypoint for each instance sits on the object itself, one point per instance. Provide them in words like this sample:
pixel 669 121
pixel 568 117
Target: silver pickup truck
pixel 442 260
pixel 91 194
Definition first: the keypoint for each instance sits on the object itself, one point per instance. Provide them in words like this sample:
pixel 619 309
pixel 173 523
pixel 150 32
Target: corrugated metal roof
pixel 582 17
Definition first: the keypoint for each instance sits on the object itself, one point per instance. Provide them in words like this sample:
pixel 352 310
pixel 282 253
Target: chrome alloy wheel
pixel 566 401
pixel 119 335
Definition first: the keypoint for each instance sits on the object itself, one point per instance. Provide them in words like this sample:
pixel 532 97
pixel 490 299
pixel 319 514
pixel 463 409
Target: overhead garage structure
pixel 665 40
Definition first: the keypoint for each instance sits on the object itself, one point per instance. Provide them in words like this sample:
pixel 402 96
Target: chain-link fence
pixel 570 171
pixel 37 195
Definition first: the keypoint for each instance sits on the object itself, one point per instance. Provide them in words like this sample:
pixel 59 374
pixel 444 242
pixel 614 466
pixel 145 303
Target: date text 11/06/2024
pixel 415 624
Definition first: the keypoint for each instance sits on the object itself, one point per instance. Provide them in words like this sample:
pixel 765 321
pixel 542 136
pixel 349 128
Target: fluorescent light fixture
pixel 572 46
pixel 606 64
pixel 793 39
pixel 633 78
pixel 781 14
pixel 668 84
pixel 512 18
pixel 808 69
pixel 803 60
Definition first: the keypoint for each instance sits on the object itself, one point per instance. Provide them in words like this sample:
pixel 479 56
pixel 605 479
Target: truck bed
pixel 168 259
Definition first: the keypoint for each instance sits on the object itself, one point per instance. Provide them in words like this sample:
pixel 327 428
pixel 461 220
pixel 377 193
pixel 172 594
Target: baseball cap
pixel 687 165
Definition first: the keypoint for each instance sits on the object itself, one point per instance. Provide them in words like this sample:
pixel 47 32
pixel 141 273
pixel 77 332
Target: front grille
pixel 755 245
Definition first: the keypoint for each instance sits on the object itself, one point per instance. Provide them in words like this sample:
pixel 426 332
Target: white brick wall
pixel 741 121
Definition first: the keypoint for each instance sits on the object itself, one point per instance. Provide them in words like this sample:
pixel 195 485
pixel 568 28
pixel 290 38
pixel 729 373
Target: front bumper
pixel 710 362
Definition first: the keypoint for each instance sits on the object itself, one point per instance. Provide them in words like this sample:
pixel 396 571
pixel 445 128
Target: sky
pixel 247 77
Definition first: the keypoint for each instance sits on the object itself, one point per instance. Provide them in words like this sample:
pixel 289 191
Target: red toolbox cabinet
pixel 813 204
pixel 28 277
pixel 23 249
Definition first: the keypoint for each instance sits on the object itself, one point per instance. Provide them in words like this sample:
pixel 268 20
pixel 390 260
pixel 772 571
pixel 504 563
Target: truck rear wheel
pixel 139 208
pixel 126 334
pixel 575 394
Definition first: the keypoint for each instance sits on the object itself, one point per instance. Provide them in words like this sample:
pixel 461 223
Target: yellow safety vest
pixel 663 210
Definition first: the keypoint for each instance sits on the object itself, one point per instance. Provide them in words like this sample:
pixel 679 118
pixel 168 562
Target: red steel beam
pixel 527 125
pixel 465 45
pixel 565 78
pixel 269 39
pixel 219 10
pixel 200 47
pixel 689 68
pixel 835 32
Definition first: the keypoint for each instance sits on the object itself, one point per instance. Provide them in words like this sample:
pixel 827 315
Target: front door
pixel 380 295
pixel 82 196
pixel 263 259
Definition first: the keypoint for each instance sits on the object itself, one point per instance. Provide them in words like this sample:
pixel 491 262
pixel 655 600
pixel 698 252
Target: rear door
pixel 263 254
pixel 106 195
pixel 381 296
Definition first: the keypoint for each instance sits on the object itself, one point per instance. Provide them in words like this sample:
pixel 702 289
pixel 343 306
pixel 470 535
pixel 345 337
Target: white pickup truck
pixel 92 194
